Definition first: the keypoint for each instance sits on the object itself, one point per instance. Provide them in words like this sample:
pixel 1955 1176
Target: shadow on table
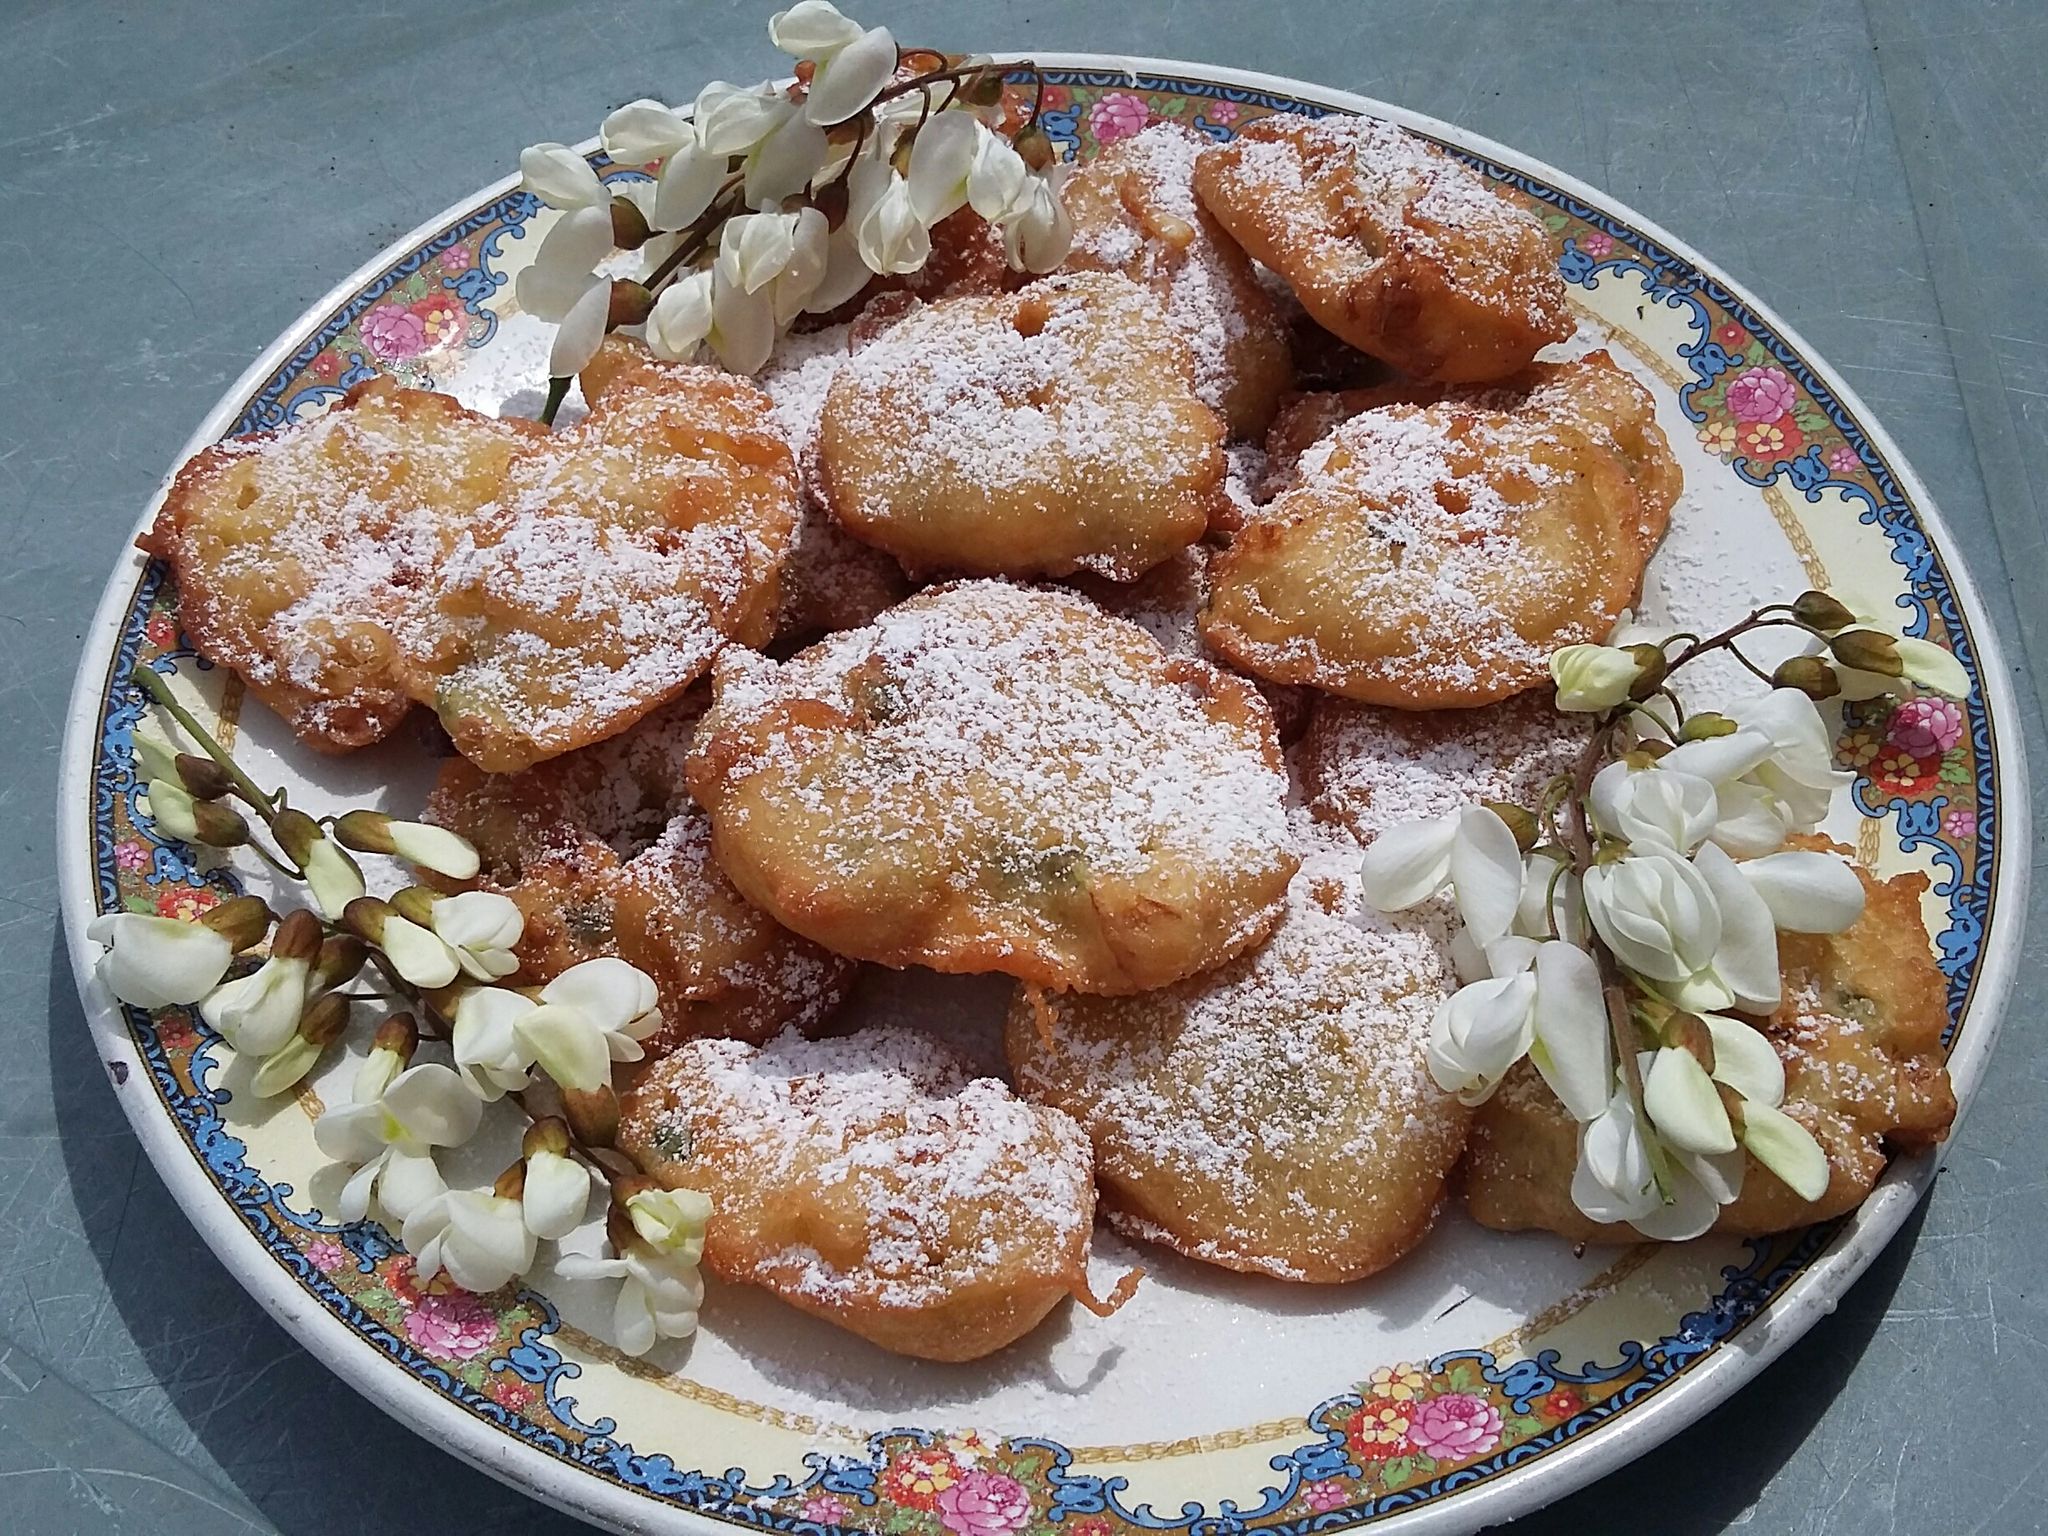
pixel 315 1457
pixel 290 1436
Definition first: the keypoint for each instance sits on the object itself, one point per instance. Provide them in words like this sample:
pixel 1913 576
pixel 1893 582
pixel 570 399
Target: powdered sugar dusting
pixel 1063 744
pixel 1371 769
pixel 946 1176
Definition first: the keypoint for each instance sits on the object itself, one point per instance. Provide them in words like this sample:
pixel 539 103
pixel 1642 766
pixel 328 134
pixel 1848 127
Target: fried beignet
pixel 1275 1115
pixel 1368 769
pixel 1167 601
pixel 606 854
pixel 1434 556
pixel 1391 243
pixel 540 590
pixel 1033 433
pixel 831 581
pixel 1000 778
pixel 1134 211
pixel 1593 393
pixel 873 1181
pixel 1859 1032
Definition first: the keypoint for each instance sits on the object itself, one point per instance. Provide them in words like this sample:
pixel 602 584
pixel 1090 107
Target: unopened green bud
pixel 1868 650
pixel 217 825
pixel 1821 611
pixel 548 1134
pixel 398 1034
pixel 631 304
pixel 1521 821
pixel 416 904
pixel 1035 146
pixel 341 957
pixel 1706 725
pixel 630 230
pixel 325 1018
pixel 205 778
pixel 1654 670
pixel 298 936
pixel 241 920
pixel 1811 675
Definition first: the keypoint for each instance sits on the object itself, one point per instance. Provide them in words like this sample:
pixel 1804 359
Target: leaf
pixel 1173 108
pixel 1399 1472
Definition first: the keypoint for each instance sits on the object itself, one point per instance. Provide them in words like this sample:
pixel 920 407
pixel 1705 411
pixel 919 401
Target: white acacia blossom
pixel 1682 882
pixel 395 1117
pixel 771 201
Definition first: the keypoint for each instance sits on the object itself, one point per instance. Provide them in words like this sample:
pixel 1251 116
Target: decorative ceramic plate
pixel 1214 1402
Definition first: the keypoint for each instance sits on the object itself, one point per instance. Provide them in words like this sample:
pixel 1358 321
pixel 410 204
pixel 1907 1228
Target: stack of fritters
pixel 1079 786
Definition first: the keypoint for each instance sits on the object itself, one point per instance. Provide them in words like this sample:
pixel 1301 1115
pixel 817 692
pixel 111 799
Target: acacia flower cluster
pixel 1621 933
pixel 769 202
pixel 444 957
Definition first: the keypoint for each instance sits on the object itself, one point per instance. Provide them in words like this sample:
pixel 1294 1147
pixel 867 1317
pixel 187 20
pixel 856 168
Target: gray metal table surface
pixel 179 179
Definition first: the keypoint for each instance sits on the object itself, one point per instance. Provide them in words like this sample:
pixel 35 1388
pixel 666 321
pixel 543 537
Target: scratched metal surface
pixel 180 178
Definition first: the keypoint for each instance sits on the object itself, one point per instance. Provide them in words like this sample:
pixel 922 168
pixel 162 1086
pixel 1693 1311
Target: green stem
pixel 151 682
pixel 558 391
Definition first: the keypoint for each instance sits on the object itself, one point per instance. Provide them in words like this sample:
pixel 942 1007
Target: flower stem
pixel 151 682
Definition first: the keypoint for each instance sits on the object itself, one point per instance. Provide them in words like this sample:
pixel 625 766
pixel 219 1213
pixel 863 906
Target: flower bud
pixel 1593 678
pixel 399 1034
pixel 548 1134
pixel 1706 725
pixel 285 1067
pixel 296 833
pixel 217 825
pixel 417 842
pixel 1035 146
pixel 1651 659
pixel 326 1018
pixel 630 230
pixel 1520 820
pixel 631 304
pixel 205 778
pixel 1811 675
pixel 241 920
pixel 414 951
pixel 832 200
pixel 298 936
pixel 341 957
pixel 1868 650
pixel 593 1114
pixel 415 904
pixel 1821 611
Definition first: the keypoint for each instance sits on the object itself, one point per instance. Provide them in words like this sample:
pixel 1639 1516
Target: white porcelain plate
pixel 1213 1401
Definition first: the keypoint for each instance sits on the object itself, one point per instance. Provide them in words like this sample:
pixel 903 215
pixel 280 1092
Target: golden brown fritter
pixel 1390 243
pixel 1035 433
pixel 874 1182
pixel 831 581
pixel 1167 602
pixel 1134 211
pixel 1367 769
pixel 1000 778
pixel 1275 1115
pixel 606 854
pixel 1434 555
pixel 540 590
pixel 1860 1035
pixel 1593 394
